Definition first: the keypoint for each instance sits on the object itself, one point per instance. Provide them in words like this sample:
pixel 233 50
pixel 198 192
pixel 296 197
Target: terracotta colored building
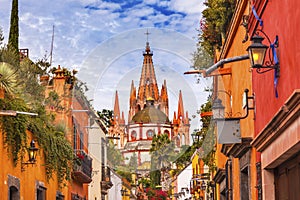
pixel 277 117
pixel 148 115
pixel 75 116
pixel 27 179
pixel 263 163
pixel 86 134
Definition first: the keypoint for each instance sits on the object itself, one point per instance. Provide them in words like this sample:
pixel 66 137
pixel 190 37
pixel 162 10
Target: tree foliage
pixel 162 154
pixel 205 144
pixel 106 116
pixel 8 78
pixel 201 58
pixel 28 96
pixel 13 40
pixel 207 141
pixel 1 37
pixel 114 155
pixel 215 21
pixel 133 163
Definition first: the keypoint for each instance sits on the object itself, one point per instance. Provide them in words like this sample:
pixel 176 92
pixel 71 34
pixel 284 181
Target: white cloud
pixel 106 42
pixel 191 6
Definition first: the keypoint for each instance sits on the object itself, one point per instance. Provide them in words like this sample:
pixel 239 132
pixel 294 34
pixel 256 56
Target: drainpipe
pixel 218 64
pixel 224 61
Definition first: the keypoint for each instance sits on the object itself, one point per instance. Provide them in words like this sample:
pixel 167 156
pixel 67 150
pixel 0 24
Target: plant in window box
pixel 80 156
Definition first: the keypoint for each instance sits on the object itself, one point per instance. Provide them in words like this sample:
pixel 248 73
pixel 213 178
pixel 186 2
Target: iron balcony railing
pixel 105 173
pixel 82 170
pixel 106 183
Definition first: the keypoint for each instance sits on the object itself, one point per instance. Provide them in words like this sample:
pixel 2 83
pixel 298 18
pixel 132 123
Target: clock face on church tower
pixel 150 134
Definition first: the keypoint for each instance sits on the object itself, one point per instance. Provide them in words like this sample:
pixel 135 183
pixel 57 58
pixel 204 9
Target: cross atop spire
pixel 147 50
pixel 147 33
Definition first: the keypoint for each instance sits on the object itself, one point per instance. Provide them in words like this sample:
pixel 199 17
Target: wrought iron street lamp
pixel 196 137
pixel 219 110
pixel 228 127
pixel 32 153
pixel 257 51
pixel 203 186
pixel 257 54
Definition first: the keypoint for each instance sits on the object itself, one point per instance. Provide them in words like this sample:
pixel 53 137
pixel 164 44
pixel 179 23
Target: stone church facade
pixel 148 115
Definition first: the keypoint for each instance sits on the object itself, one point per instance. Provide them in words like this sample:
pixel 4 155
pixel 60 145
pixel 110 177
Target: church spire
pixel 180 113
pixel 164 100
pixel 148 85
pixel 116 108
pixel 132 102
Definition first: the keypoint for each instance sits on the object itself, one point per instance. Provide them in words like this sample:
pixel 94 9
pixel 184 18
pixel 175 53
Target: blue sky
pixel 104 40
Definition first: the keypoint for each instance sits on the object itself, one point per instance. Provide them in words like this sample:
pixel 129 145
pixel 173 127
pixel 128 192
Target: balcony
pixel 106 183
pixel 82 169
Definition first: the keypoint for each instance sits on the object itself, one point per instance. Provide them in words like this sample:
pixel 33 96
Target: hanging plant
pixel 14 128
pixel 58 152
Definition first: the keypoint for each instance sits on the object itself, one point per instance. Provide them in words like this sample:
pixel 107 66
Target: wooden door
pixel 287 179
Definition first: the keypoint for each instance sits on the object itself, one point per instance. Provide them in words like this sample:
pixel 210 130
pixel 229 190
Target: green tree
pixel 1 37
pixel 24 93
pixel 106 116
pixel 206 142
pixel 9 56
pixel 162 154
pixel 201 58
pixel 32 91
pixel 114 155
pixel 133 164
pixel 214 24
pixel 13 40
pixel 43 65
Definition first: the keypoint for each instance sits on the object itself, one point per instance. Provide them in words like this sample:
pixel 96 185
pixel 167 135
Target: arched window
pixel 13 184
pixel 13 193
pixel 133 135
pixel 150 134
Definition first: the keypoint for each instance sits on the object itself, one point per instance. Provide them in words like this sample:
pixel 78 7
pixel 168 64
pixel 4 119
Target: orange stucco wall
pixel 234 85
pixel 27 177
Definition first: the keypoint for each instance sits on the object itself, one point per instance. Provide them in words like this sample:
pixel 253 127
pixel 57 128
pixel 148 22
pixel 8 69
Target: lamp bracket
pixel 247 107
pixel 23 164
pixel 269 65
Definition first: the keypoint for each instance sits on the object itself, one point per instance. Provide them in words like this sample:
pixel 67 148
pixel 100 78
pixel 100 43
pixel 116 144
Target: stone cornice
pixel 239 149
pixel 225 148
pixel 234 25
pixel 220 175
pixel 288 113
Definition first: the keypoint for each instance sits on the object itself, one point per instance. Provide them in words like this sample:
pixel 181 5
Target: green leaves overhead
pixel 8 78
pixel 24 93
pixel 213 27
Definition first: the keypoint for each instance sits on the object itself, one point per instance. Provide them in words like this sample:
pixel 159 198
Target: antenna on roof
pixel 51 51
